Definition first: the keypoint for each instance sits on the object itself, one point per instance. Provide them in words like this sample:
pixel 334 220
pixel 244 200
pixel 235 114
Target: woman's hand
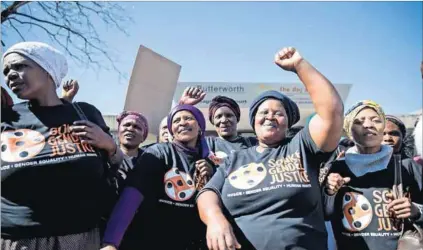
pixel 93 135
pixel 220 235
pixel 288 59
pixel 402 208
pixel 335 182
pixel 192 96
pixel 205 169
pixel 70 89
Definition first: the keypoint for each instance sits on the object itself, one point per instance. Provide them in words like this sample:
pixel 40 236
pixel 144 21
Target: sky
pixel 375 46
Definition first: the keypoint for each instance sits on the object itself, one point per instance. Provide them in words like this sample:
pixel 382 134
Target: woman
pixel 394 135
pixel 53 161
pixel 224 114
pixel 132 131
pixel 270 193
pixel 165 182
pixel 358 189
pixel 163 132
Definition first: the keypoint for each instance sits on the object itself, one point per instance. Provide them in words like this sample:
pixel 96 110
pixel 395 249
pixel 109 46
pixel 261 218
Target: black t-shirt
pixel 164 176
pixel 126 167
pixel 358 212
pixel 52 184
pixel 223 148
pixel 274 196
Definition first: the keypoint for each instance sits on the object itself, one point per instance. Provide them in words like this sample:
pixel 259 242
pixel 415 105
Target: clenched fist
pixel 402 208
pixel 70 89
pixel 335 182
pixel 288 59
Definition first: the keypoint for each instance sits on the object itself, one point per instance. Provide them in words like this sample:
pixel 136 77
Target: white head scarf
pixel 47 57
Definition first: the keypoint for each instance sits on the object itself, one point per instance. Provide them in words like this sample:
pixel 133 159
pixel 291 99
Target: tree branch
pixel 17 31
pixel 71 26
pixel 11 9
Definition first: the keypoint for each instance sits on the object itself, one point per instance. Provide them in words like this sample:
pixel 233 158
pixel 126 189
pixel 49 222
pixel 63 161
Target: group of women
pixel 190 191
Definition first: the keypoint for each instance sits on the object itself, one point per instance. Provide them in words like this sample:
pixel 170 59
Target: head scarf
pixel 47 57
pixel 223 101
pixel 395 120
pixel 6 99
pixel 204 149
pixel 139 118
pixel 290 106
pixel 355 109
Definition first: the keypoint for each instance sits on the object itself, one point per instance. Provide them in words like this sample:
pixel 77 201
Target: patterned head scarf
pixel 139 118
pixel 355 109
pixel 223 101
pixel 47 57
pixel 290 106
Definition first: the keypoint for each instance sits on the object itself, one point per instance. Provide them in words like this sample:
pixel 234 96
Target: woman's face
pixel 367 129
pixel 185 127
pixel 392 136
pixel 225 122
pixel 164 135
pixel 24 77
pixel 271 122
pixel 130 134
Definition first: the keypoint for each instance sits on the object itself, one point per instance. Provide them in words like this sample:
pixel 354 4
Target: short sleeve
pixel 147 174
pixel 310 146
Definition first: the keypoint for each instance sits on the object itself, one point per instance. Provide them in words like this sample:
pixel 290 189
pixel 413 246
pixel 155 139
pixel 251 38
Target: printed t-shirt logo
pixel 248 176
pixel 357 212
pixel 20 145
pixel 179 186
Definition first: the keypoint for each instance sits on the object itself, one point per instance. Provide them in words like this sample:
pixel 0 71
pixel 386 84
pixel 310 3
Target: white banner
pixel 151 87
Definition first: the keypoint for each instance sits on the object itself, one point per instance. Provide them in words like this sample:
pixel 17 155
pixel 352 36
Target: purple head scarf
pixel 204 149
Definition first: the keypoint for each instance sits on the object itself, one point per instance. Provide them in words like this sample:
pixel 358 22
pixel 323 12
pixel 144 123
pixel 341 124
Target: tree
pixel 70 25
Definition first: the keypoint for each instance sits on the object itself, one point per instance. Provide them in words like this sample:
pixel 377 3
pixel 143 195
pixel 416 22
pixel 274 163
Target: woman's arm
pixel 326 126
pixel 121 217
pixel 220 235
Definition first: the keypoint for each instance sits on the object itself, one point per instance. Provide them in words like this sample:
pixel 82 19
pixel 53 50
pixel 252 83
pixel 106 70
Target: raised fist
pixel 70 89
pixel 288 59
pixel 335 182
pixel 192 96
